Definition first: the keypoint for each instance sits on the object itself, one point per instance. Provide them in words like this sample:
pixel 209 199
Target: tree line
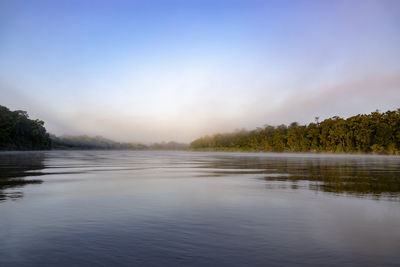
pixel 101 143
pixel 18 132
pixel 82 142
pixel 378 132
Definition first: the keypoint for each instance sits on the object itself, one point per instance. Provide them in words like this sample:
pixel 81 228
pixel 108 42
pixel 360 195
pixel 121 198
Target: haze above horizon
pixel 150 71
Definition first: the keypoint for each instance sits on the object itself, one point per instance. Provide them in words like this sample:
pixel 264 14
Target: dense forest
pixel 378 132
pixel 373 133
pixel 18 132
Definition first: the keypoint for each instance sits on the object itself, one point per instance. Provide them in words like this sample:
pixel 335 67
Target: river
pixel 154 208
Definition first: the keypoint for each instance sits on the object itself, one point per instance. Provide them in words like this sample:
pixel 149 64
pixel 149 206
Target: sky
pixel 150 71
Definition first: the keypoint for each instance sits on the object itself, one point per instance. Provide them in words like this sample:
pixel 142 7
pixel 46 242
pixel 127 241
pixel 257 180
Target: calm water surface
pixel 126 208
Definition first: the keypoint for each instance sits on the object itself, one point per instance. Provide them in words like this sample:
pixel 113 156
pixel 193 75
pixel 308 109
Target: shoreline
pixel 216 151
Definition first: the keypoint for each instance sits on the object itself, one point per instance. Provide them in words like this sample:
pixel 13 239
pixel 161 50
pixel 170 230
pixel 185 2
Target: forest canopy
pixel 373 133
pixel 378 132
pixel 18 132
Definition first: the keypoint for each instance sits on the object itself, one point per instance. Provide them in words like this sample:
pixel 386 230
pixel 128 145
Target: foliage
pixel 373 133
pixel 18 132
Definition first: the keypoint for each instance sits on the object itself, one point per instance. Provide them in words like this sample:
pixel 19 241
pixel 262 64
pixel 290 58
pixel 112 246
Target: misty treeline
pixel 88 142
pixel 373 133
pixel 18 132
pixel 169 146
pixel 98 142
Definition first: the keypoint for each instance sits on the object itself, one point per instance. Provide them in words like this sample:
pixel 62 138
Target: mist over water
pixel 149 208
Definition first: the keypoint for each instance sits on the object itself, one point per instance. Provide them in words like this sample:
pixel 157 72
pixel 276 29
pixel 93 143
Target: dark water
pixel 117 208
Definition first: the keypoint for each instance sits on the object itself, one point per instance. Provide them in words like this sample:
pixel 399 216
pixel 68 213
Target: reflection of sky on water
pixel 362 176
pixel 198 209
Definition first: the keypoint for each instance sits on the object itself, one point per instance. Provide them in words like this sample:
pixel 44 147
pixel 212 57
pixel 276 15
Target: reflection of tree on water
pixel 14 167
pixel 363 176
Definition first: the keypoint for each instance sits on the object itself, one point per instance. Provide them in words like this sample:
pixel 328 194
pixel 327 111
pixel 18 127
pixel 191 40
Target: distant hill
pixel 18 132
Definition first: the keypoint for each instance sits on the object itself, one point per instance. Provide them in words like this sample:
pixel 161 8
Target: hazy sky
pixel 175 70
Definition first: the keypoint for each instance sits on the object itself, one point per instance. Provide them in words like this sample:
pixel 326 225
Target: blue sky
pixel 175 70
